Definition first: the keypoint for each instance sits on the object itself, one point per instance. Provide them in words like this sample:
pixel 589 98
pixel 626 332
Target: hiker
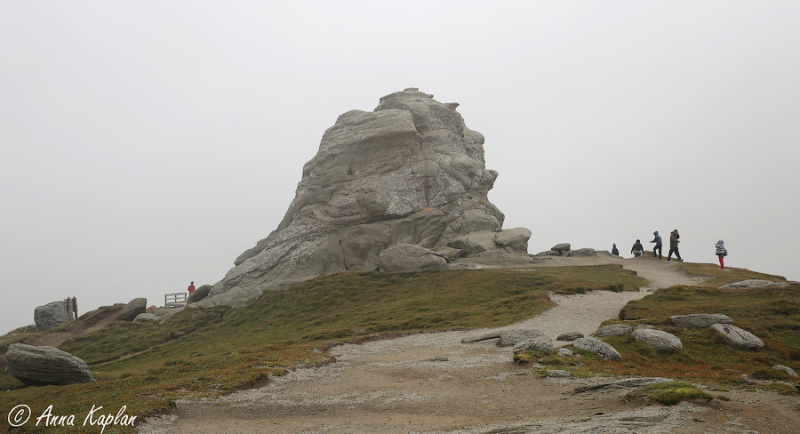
pixel 190 288
pixel 637 249
pixel 614 250
pixel 657 240
pixel 673 246
pixel 722 253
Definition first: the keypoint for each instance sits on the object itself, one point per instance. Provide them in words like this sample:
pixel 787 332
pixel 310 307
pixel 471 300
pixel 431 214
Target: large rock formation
pixel 409 172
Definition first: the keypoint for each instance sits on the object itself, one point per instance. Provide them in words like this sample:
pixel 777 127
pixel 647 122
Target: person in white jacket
pixel 722 253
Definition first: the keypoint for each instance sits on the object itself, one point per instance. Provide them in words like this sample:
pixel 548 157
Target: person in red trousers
pixel 722 253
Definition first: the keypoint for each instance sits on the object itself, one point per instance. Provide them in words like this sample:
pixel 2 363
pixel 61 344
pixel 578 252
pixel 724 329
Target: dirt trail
pixel 431 382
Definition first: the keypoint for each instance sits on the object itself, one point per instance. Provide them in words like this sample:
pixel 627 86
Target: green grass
pixel 770 314
pixel 672 393
pixel 210 352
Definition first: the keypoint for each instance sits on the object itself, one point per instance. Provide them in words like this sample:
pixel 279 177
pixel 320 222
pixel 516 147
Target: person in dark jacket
pixel 637 249
pixel 657 248
pixel 614 250
pixel 673 246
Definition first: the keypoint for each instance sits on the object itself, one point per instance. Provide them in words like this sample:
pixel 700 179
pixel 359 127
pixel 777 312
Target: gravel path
pixel 431 382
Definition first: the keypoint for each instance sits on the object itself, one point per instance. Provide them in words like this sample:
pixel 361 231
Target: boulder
pixel 50 315
pixel 509 338
pixel 565 352
pixel 170 313
pixel 785 369
pixel 133 309
pixel 410 257
pixel 563 247
pixel 661 341
pixel 475 242
pixel 699 320
pixel 539 343
pixel 236 297
pixel 516 238
pixel 582 252
pixel 147 317
pixel 569 336
pixel 599 347
pixel 738 337
pixel 613 330
pixel 40 366
pixel 754 283
pixel 198 294
pixel 449 252
pixel 408 172
pixel 481 337
pixel 621 384
pixel 558 373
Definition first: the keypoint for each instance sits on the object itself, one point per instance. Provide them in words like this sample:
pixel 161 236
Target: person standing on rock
pixel 614 250
pixel 190 288
pixel 637 249
pixel 657 248
pixel 722 253
pixel 673 246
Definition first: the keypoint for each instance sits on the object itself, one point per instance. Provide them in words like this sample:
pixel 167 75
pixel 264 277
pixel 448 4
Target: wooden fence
pixel 176 299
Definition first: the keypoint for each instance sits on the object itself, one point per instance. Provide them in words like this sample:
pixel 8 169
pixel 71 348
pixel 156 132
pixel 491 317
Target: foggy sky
pixel 146 144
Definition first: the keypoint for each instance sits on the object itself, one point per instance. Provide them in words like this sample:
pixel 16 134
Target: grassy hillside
pixel 771 314
pixel 208 352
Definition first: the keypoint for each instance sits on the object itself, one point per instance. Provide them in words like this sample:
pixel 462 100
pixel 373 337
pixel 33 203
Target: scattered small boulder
pixel 235 297
pixel 699 320
pixel 569 336
pixel 40 366
pixel 410 257
pixel 509 338
pixel 539 343
pixel 558 373
pixel 631 382
pixel 198 294
pixel 147 317
pixel 599 347
pixel 565 352
pixel 582 252
pixel 642 326
pixel 481 337
pixel 562 249
pixel 50 315
pixel 133 309
pixel 661 341
pixel 613 330
pixel 738 337
pixel 785 369
pixel 474 242
pixel 754 283
pixel 516 238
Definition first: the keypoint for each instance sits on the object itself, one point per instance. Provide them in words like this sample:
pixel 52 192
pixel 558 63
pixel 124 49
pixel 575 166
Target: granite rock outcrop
pixel 40 366
pixel 409 172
